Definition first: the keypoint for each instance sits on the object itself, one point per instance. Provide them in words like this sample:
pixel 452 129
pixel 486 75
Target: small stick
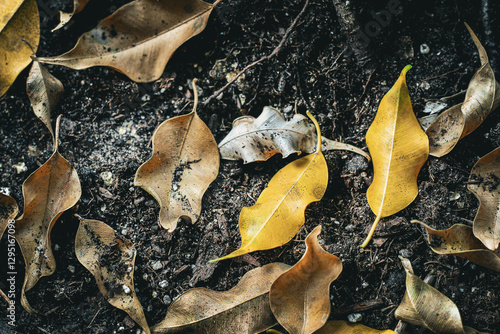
pixel 364 306
pixel 255 63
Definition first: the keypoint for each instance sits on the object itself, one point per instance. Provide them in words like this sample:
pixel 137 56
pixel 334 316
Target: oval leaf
pixel 460 241
pixel 399 148
pixel 78 6
pixel 243 309
pixel 300 298
pixel 345 327
pixel 8 211
pixel 110 258
pixel 19 21
pixel 278 213
pixel 485 185
pixel 482 97
pixel 139 38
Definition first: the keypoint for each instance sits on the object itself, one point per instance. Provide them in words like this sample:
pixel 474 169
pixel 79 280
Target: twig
pixel 99 310
pixel 255 63
pixel 364 306
pixel 364 88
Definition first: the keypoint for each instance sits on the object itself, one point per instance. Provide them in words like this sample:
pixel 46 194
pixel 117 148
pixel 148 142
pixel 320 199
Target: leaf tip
pixel 406 69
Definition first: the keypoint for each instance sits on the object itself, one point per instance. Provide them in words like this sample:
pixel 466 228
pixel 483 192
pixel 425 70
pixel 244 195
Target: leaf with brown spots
pixel 8 211
pixel 110 258
pixel 139 38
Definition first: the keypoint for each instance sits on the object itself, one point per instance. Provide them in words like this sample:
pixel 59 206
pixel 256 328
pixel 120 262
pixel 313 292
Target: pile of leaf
pixel 138 40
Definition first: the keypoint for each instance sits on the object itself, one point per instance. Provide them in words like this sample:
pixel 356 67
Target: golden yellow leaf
pixel 139 38
pixel 78 6
pixel 484 184
pixel 278 213
pixel 460 241
pixel 185 161
pixel 399 148
pixel 243 309
pixel 18 21
pixel 48 192
pixel 300 297
pixel 482 97
pixel 344 327
pixel 8 211
pixel 110 258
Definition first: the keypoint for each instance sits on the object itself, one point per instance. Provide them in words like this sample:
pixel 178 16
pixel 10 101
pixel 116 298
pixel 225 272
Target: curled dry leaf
pixel 139 38
pixel 78 6
pixel 484 182
pixel 8 211
pixel 44 91
pixel 460 241
pixel 399 148
pixel 110 258
pixel 300 297
pixel 424 306
pixel 258 139
pixel 185 161
pixel 278 213
pixel 345 327
pixel 243 309
pixel 482 97
pixel 19 21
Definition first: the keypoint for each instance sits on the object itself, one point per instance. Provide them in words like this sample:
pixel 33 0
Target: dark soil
pixel 108 121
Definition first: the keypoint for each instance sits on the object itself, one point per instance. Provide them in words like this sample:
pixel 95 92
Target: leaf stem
pixel 370 234
pixel 56 134
pixel 318 131
pixel 195 92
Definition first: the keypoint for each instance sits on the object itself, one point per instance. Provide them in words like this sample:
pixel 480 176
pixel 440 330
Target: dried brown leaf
pixel 484 182
pixel 482 97
pixel 139 38
pixel 243 309
pixel 8 211
pixel 110 258
pixel 300 297
pixel 78 6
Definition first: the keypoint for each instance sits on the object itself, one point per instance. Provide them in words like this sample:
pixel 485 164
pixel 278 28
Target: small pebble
pixel 167 300
pixel 107 177
pixel 424 49
pixel 71 269
pixel 406 253
pixel 126 289
pixel 157 265
pixel 145 276
pixel 365 284
pixel 154 294
pixel 33 151
pixel 163 284
pixel 5 191
pixel 354 317
pixel 20 167
pixel 145 98
pixel 124 231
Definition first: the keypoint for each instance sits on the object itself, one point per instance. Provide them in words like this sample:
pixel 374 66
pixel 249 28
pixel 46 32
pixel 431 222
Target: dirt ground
pixel 108 122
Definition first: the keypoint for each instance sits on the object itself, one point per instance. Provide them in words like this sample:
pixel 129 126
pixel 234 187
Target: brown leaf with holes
pixel 8 211
pixel 300 298
pixel 110 258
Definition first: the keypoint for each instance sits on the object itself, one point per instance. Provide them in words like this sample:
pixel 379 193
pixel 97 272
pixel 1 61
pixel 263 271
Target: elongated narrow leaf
pixel 345 327
pixel 460 241
pixel 482 97
pixel 243 309
pixel 48 192
pixel 78 6
pixel 399 148
pixel 484 182
pixel 110 258
pixel 300 297
pixel 258 139
pixel 279 212
pixel 44 91
pixel 185 161
pixel 139 38
pixel 19 28
pixel 8 211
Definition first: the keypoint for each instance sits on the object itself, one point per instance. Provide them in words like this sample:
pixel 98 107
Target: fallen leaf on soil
pixel 44 91
pixel 278 213
pixel 424 306
pixel 399 148
pixel 484 183
pixel 258 139
pixel 243 309
pixel 8 211
pixel 345 327
pixel 48 192
pixel 300 297
pixel 78 6
pixel 19 21
pixel 139 38
pixel 110 258
pixel 460 241
pixel 185 162
pixel 482 97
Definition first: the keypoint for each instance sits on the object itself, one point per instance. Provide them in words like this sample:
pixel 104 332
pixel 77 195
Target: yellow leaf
pixel 78 6
pixel 8 211
pixel 300 297
pixel 18 21
pixel 185 161
pixel 139 38
pixel 399 148
pixel 279 212
pixel 460 241
pixel 344 327
pixel 110 258
pixel 484 183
